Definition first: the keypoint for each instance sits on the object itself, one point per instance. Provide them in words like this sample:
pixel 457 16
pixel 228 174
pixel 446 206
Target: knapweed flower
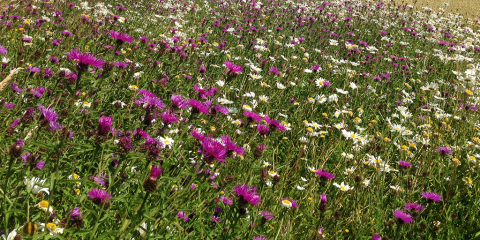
pixel 404 164
pixel 247 194
pixel 213 150
pixel 99 196
pixel 150 184
pixel 104 125
pixel 231 146
pixel 48 117
pixel 324 175
pixel 149 100
pixel 226 200
pixel 402 217
pixel 260 238
pixel 16 149
pixel 288 203
pixel 183 216
pixel 443 151
pixel 3 50
pixel 267 215
pixel 251 116
pixel 178 101
pixel 233 70
pixel 198 107
pixel 84 60
pixel 121 37
pixel 274 124
pixel 413 206
pixel 432 196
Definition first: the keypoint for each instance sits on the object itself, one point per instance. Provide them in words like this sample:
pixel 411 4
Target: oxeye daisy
pixel 44 206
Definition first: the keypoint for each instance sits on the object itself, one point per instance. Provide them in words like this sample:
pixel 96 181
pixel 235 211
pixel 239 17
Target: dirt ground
pixel 468 8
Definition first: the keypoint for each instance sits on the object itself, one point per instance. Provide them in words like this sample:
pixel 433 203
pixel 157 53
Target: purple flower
pixel 226 200
pixel 104 125
pixel 267 215
pixel 183 216
pixel 168 118
pixel 377 237
pixel 48 115
pixel 251 116
pixel 274 124
pixel 98 195
pixel 213 150
pixel 405 164
pixel 215 219
pixel 231 146
pixel 178 101
pixel 9 106
pixel 219 109
pixel 155 171
pixel 443 151
pixel 84 60
pixel 121 37
pixel 199 136
pixel 402 216
pixel 432 196
pixel 144 39
pixel 198 107
pixel 125 143
pixel 149 101
pixel 324 174
pixel 15 123
pixel 323 199
pixel 203 93
pixel 74 213
pixel 262 129
pixel 288 201
pixel 274 70
pixel 247 194
pixel 260 238
pixel 412 206
pixel 3 50
pixel 233 70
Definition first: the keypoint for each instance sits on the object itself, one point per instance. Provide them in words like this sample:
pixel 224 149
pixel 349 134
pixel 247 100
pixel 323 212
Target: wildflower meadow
pixel 240 119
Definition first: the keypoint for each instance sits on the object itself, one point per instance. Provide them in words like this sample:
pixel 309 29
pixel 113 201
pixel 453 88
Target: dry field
pixel 468 8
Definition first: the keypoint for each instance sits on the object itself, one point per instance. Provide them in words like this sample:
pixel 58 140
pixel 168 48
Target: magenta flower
pixel 413 206
pixel 405 164
pixel 48 115
pixel 98 195
pixel 323 199
pixel 260 238
pixel 324 175
pixel 219 109
pixel 443 151
pixel 84 60
pixel 402 216
pixel 251 116
pixel 263 129
pixel 274 70
pixel 104 125
pixel 168 118
pixel 183 216
pixel 215 219
pixel 377 237
pixel 198 107
pixel 149 100
pixel 233 70
pixel 226 200
pixel 3 50
pixel 203 93
pixel 274 124
pixel 199 136
pixel 231 146
pixel 74 213
pixel 121 37
pixel 432 196
pixel 155 171
pixel 213 150
pixel 247 194
pixel 178 101
pixel 267 215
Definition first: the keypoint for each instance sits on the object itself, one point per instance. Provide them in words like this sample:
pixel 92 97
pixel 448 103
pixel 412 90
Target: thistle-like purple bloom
pixel 233 70
pixel 323 199
pixel 260 238
pixel 377 237
pixel 263 129
pixel 48 115
pixel 402 216
pixel 274 70
pixel 121 37
pixel 198 107
pixel 155 171
pixel 203 93
pixel 219 109
pixel 150 101
pixel 432 196
pixel 84 60
pixel 405 164
pixel 74 213
pixel 274 124
pixel 213 150
pixel 231 146
pixel 267 215
pixel 251 116
pixel 196 134
pixel 99 195
pixel 15 123
pixel 324 174
pixel 226 200
pixel 168 118
pixel 104 125
pixel 413 206
pixel 443 151
pixel 247 194
pixel 178 101
pixel 3 50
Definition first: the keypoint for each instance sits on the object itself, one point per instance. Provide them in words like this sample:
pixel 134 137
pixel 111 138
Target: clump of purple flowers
pixel 84 60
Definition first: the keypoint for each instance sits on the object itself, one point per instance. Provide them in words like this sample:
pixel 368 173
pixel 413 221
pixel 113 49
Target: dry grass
pixel 468 8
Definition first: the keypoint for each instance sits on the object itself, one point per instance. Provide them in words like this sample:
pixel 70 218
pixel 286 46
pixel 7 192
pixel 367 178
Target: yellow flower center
pixel 85 103
pixel 51 226
pixel 343 188
pixel 286 202
pixel 353 135
pixel 404 147
pixel 43 204
pixel 75 176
